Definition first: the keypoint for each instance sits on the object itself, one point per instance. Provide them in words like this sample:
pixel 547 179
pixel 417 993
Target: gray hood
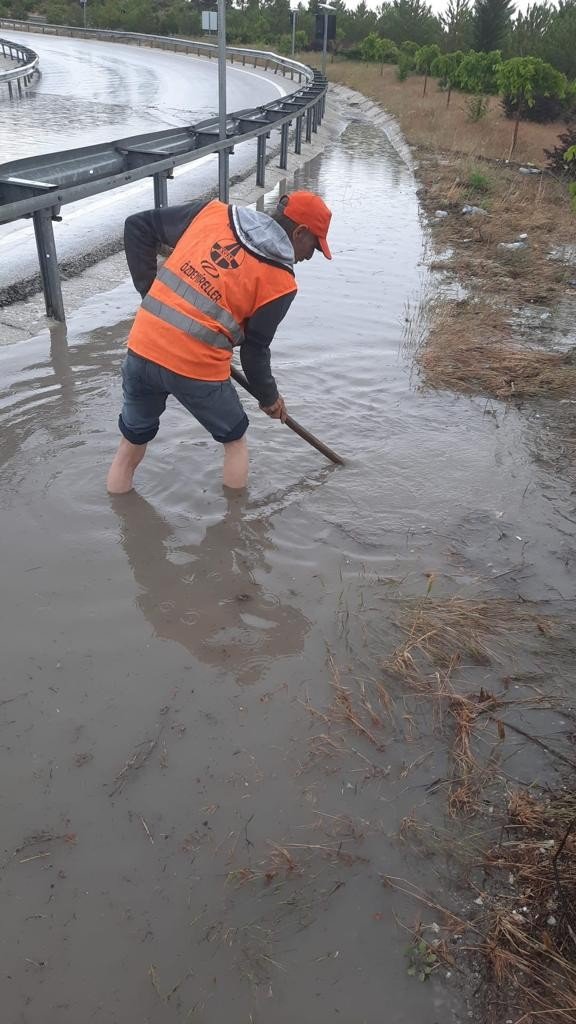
pixel 263 236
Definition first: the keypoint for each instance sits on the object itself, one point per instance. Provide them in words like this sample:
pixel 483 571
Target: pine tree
pixel 492 22
pixel 457 24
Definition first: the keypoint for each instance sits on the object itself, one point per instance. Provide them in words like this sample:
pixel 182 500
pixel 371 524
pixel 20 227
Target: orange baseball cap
pixel 311 211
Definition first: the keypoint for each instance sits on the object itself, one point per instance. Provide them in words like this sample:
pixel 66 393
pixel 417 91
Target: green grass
pixel 478 183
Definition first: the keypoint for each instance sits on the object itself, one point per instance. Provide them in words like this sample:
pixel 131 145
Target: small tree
pixel 374 49
pixel 477 72
pixel 424 60
pixel 370 47
pixel 446 68
pixel 388 52
pixel 522 78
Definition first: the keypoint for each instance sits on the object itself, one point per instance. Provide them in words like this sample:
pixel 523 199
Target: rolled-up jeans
pixel 146 386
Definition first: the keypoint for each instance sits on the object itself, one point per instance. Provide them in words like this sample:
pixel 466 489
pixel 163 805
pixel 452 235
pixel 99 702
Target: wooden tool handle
pixel 292 423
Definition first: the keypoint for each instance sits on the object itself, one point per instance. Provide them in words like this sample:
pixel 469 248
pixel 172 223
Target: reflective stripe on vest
pixel 202 302
pixel 187 324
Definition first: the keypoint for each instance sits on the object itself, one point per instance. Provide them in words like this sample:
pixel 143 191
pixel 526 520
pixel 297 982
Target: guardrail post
pixel 298 136
pixel 261 161
pixel 48 260
pixel 309 125
pixel 315 118
pixel 161 189
pixel 10 90
pixel 284 146
pixel 223 175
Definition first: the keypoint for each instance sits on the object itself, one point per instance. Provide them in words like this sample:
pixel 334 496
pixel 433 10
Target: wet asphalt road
pixel 91 92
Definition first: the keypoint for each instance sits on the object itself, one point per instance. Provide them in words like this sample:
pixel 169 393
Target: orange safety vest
pixel 202 296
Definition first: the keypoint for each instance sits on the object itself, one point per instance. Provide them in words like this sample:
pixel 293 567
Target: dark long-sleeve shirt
pixel 144 235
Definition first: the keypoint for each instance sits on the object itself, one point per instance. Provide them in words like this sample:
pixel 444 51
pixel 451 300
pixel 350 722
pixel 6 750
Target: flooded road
pixel 91 91
pixel 189 835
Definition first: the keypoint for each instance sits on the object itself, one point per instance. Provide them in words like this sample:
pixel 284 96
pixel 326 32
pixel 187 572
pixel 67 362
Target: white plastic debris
pixel 551 921
pixel 529 170
pixel 511 246
pixel 440 214
pixel 475 210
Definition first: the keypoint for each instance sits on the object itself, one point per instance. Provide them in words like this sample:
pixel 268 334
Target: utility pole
pixel 294 15
pixel 223 155
pixel 327 8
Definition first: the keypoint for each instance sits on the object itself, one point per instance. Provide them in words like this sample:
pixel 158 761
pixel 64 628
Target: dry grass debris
pixel 485 343
pixel 441 633
pixel 530 931
pixel 465 352
pixel 477 346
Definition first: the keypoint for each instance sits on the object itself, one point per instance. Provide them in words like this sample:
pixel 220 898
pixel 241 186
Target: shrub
pixel 284 44
pixel 405 66
pixel 557 161
pixel 476 107
pixel 352 53
pixel 544 109
pixel 479 182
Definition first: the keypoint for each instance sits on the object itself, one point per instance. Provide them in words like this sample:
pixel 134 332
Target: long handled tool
pixel 292 423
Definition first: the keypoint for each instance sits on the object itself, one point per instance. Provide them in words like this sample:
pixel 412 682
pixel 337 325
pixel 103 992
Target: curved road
pixel 90 92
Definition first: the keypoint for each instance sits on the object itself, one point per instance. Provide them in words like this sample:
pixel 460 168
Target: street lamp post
pixel 327 8
pixel 223 155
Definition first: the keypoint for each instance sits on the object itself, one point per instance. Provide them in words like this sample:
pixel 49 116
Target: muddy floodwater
pixel 190 833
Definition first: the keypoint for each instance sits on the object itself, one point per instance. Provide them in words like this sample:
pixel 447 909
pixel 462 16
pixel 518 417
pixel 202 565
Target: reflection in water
pixel 206 596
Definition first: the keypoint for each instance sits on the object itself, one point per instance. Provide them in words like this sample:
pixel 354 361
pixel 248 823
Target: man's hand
pixel 277 411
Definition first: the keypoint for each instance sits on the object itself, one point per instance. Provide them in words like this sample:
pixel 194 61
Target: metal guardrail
pixel 25 68
pixel 39 186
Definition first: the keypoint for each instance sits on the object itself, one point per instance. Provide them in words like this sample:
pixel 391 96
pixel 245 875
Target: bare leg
pixel 235 473
pixel 121 472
